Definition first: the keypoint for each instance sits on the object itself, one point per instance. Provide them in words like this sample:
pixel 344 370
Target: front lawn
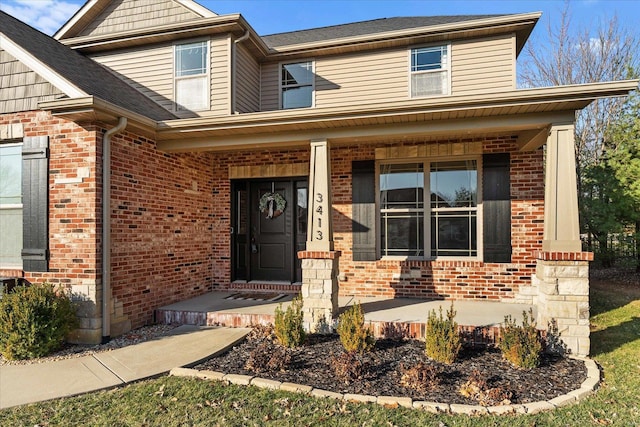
pixel 171 401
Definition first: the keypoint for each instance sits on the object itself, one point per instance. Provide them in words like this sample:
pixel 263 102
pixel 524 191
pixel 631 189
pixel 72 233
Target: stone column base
pixel 319 289
pixel 562 279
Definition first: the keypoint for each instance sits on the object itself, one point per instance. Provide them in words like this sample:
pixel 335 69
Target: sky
pixel 275 16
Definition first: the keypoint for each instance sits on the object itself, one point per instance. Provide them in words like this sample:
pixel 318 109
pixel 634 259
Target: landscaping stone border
pixel 587 387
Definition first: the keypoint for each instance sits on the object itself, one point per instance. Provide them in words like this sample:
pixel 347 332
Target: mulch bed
pixel 311 365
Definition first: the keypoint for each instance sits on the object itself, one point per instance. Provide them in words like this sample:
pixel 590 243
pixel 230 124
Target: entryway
pixel 269 227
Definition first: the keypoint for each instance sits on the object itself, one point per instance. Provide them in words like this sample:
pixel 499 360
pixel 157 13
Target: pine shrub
pixel 354 336
pixel 520 344
pixel 288 324
pixel 34 321
pixel 443 340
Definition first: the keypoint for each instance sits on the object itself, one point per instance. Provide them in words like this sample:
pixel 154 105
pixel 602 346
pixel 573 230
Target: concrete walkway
pixel 183 346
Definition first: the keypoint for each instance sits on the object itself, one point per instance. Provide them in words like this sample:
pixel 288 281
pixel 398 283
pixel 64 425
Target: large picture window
pixel 296 85
pixel 430 71
pixel 191 76
pixel 446 225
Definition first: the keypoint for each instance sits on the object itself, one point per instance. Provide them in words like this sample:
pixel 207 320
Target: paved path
pixel 183 346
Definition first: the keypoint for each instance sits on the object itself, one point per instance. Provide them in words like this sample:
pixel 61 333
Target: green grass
pixel 170 401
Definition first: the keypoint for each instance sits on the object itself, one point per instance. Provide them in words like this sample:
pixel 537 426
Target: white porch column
pixel 320 263
pixel 561 226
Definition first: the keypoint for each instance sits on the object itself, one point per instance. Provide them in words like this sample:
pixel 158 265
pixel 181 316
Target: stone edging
pixel 586 388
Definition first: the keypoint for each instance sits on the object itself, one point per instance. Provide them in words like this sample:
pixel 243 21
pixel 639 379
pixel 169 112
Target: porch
pixel 388 317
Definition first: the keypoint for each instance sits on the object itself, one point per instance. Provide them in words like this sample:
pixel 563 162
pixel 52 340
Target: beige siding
pixel 247 76
pixel 269 87
pixel 483 66
pixel 150 70
pixel 478 66
pixel 221 75
pixel 22 89
pixel 136 14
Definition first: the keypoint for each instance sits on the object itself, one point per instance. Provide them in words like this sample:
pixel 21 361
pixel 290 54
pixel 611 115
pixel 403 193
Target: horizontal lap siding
pixel 220 78
pixel 134 14
pixel 20 88
pixel 483 66
pixel 247 82
pixel 150 70
pixel 269 98
pixel 361 78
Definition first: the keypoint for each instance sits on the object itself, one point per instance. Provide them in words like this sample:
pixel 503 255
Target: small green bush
pixel 443 341
pixel 520 344
pixel 288 324
pixel 354 336
pixel 34 321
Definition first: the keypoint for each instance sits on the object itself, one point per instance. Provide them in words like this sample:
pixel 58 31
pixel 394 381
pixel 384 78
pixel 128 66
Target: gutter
pixel 233 70
pixel 106 227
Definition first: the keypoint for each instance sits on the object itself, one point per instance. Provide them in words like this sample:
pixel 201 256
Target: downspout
pixel 106 227
pixel 233 71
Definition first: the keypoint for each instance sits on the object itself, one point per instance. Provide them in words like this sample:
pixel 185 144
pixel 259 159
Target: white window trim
pixel 313 83
pixel 448 70
pixel 427 211
pixel 207 75
pixel 12 206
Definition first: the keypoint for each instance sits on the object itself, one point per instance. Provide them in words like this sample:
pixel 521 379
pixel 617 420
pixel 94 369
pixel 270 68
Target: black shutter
pixel 496 201
pixel 364 210
pixel 35 203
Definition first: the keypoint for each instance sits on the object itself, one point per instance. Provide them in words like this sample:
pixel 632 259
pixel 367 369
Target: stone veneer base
pixel 587 387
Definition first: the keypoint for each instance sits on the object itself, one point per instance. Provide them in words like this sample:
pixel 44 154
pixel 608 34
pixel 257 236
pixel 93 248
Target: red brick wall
pixel 73 207
pixel 165 219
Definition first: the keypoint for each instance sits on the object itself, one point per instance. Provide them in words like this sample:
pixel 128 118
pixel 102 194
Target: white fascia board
pixel 74 19
pixel 14 49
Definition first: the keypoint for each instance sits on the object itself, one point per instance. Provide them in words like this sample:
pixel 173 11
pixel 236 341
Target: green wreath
pixel 272 204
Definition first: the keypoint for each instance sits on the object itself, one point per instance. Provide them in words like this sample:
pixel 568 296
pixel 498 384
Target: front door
pixel 269 224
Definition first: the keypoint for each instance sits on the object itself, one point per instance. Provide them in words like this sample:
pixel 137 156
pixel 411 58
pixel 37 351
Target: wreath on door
pixel 272 205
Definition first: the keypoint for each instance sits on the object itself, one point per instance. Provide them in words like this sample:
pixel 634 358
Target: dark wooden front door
pixel 264 248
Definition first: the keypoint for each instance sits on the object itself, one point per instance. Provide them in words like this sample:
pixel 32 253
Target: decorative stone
pixel 325 393
pixel 266 383
pixel 468 409
pixel 433 407
pixel 407 402
pixel 362 398
pixel 535 407
pixel 295 388
pixel 238 379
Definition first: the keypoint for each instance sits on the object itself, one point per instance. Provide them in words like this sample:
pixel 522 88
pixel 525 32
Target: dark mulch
pixel 311 365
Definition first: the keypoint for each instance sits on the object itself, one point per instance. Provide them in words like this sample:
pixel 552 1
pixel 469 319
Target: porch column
pixel 561 226
pixel 562 269
pixel 320 263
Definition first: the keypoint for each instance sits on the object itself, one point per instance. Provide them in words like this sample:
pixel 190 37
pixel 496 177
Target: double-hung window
pixel 296 85
pixel 430 71
pixel 192 76
pixel 11 205
pixel 429 208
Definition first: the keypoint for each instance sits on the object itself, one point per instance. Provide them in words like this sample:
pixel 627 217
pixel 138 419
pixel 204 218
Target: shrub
pixel 34 321
pixel 350 367
pixel 268 357
pixel 443 341
pixel 354 336
pixel 288 324
pixel 520 344
pixel 420 376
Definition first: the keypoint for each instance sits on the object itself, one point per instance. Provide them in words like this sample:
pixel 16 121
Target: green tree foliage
pixel 289 327
pixel 442 340
pixel 354 335
pixel 623 161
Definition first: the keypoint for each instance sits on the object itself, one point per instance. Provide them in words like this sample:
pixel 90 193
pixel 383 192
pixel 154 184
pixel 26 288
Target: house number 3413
pixel 319 211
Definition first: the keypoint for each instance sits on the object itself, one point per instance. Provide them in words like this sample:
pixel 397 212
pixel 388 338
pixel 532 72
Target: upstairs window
pixel 430 71
pixel 296 85
pixel 191 76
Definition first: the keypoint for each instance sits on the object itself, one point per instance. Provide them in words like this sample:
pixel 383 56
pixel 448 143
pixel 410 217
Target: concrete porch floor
pixel 388 316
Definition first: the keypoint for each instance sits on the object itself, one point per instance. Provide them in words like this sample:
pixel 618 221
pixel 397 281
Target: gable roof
pixel 116 16
pixel 71 72
pixel 363 28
